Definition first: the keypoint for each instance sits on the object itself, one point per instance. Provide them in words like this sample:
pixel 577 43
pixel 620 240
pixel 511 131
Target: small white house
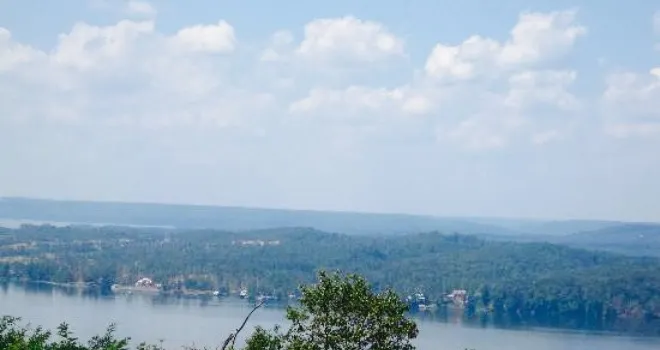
pixel 145 282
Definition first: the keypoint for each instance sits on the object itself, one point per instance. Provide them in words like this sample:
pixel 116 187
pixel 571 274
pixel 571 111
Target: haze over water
pixel 188 321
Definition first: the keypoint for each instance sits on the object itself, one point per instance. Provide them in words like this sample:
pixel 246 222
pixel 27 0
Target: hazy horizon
pixel 451 109
pixel 339 211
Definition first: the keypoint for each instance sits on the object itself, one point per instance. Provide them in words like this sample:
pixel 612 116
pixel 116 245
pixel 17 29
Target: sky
pixel 525 109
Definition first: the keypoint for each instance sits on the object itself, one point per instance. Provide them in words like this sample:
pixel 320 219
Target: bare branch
pixel 232 337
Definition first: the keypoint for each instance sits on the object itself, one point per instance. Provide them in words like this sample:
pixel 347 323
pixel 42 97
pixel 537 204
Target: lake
pixel 181 322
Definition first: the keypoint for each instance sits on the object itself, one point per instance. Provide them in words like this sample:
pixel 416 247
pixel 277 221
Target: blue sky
pixel 545 109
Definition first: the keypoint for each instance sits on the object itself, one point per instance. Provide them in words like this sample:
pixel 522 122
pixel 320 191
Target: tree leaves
pixel 341 312
pixel 15 337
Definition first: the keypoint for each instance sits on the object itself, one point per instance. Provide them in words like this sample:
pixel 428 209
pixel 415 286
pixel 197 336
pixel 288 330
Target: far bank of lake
pixel 205 322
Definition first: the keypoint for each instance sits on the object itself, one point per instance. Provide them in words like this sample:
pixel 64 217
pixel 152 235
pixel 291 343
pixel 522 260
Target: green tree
pixel 15 337
pixel 341 312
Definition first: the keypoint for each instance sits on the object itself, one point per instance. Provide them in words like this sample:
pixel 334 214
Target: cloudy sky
pixel 547 109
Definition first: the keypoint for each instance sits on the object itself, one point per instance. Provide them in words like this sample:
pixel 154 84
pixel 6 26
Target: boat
pixel 265 298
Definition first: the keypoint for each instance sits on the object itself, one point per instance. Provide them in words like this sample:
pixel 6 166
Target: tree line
pixel 508 283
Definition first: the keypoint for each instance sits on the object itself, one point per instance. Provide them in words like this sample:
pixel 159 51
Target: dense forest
pixel 508 283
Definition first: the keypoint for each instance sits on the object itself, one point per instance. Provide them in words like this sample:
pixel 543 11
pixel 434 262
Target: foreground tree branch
pixel 341 311
pixel 232 336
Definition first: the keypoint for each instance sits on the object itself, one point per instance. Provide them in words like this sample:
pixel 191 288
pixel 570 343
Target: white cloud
pixel 527 107
pixel 140 8
pixel 349 39
pixel 637 91
pixel 13 53
pixel 655 72
pixel 631 101
pixel 631 104
pixel 519 101
pixel 127 74
pixel 361 101
pixel 477 118
pixel 191 105
pixel 537 37
pixel 463 61
pixel 216 38
pixel 87 46
pixel 131 75
pixel 531 88
pixel 470 117
pixel 510 96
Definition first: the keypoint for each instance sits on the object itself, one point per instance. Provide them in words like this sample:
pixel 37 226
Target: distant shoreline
pixel 12 223
pixel 118 289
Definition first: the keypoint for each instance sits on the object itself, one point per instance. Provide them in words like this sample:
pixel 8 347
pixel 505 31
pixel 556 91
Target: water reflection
pixel 445 315
pixel 37 288
pixel 182 321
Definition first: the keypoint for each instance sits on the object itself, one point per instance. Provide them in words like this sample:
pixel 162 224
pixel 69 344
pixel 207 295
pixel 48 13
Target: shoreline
pixel 115 289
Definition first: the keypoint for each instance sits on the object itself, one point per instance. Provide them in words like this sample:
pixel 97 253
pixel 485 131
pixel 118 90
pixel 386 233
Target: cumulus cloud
pixel 550 88
pixel 13 53
pixel 463 61
pixel 534 107
pixel 539 36
pixel 510 96
pixel 214 38
pixel 196 105
pixel 510 93
pixel 87 46
pixel 470 117
pixel 631 104
pixel 339 40
pixel 349 38
pixel 536 38
pixel 127 74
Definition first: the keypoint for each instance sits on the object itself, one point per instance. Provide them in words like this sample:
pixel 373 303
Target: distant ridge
pixel 244 218
pixel 230 218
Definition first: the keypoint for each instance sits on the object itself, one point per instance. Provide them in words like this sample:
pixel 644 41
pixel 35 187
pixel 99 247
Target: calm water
pixel 184 322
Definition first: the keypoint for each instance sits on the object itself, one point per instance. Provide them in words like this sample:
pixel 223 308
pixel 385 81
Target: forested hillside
pixel 513 283
pixel 631 239
pixel 634 239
